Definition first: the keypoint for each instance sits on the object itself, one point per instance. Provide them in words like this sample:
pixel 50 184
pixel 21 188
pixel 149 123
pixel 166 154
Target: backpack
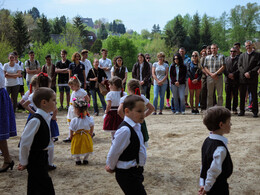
pixel 28 61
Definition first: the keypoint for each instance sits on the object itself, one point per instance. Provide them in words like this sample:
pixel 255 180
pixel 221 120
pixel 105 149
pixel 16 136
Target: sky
pixel 135 14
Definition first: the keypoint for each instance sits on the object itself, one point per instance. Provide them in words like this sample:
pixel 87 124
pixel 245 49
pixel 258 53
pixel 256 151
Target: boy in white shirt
pixel 105 63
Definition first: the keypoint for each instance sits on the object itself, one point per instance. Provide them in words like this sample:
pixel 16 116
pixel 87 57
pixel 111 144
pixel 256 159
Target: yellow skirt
pixel 81 143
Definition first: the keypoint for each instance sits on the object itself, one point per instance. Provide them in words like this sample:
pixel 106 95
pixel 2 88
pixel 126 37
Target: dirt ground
pixel 173 158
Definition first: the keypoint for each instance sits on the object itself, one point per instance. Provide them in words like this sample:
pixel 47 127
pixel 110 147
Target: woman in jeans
pixel 178 78
pixel 96 75
pixel 160 73
pixel 12 73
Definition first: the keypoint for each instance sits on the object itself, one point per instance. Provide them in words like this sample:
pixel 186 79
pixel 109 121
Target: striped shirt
pixel 213 63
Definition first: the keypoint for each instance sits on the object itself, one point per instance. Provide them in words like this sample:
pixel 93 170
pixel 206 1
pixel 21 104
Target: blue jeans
pixel 144 89
pixel 159 90
pixel 94 93
pixel 179 93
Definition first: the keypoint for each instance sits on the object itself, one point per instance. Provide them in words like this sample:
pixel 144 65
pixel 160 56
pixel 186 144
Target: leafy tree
pixel 114 27
pixel 102 33
pixel 206 38
pixel 63 21
pixel 57 26
pixel 72 36
pixel 121 28
pixel 145 34
pixel 45 29
pixel 195 33
pixel 187 23
pixel 77 22
pixel 20 36
pixel 110 27
pixel 6 28
pixel 34 12
pixel 156 29
pixel 5 49
pixel 96 47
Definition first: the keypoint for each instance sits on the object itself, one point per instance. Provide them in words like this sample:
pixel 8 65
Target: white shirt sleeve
pixel 27 138
pixel 216 167
pixel 119 144
pixel 72 125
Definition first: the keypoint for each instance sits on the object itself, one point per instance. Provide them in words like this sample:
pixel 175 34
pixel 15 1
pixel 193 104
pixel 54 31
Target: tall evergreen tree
pixel 57 26
pixel 114 27
pixel 77 22
pixel 195 33
pixel 63 21
pixel 121 28
pixel 34 12
pixel 44 29
pixel 20 36
pixel 206 38
pixel 102 33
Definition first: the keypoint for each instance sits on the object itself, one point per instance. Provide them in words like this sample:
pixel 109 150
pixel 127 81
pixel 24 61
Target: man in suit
pixel 248 65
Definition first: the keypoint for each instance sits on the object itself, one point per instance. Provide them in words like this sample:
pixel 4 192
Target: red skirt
pixel 194 86
pixel 112 121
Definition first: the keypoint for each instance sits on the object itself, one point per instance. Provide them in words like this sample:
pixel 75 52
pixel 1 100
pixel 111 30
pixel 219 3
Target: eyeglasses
pixel 176 58
pixel 233 51
pixel 194 56
pixel 147 58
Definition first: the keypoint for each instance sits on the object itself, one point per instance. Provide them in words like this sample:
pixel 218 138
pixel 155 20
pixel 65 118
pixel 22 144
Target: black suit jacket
pixel 231 67
pixel 146 73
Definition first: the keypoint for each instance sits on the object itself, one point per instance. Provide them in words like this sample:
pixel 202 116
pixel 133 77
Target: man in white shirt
pixel 88 66
pixel 105 63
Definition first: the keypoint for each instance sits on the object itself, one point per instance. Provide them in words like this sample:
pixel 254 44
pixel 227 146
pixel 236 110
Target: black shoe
pixel 52 167
pixel 85 162
pixel 96 114
pixel 9 165
pixel 197 111
pixel 55 139
pixel 193 111
pixel 160 113
pixel 154 113
pixel 67 140
pixel 78 162
pixel 93 135
pixel 241 114
pixel 255 115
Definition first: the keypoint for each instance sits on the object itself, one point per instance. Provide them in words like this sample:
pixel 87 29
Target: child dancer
pixel 133 87
pixel 35 141
pixel 112 119
pixel 127 154
pixel 81 131
pixel 216 161
pixel 77 92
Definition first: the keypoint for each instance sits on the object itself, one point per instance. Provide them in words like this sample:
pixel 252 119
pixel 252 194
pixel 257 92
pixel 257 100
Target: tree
pixel 102 33
pixel 6 28
pixel 77 22
pixel 195 33
pixel 121 28
pixel 57 26
pixel 42 33
pixel 114 27
pixel 5 49
pixel 156 29
pixel 96 47
pixel 206 38
pixel 34 12
pixel 72 35
pixel 63 21
pixel 20 36
pixel 145 34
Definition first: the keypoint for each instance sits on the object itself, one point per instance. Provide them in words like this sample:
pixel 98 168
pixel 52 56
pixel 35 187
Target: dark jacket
pixel 193 69
pixel 182 74
pixel 231 67
pixel 100 73
pixel 249 63
pixel 53 74
pixel 145 72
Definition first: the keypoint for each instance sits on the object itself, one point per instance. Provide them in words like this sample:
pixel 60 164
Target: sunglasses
pixel 176 58
pixel 194 56
pixel 147 58
pixel 233 51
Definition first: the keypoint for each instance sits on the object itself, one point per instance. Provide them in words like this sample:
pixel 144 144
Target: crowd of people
pixel 200 76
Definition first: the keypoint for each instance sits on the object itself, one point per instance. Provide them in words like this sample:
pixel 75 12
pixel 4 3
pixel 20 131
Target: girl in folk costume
pixel 112 120
pixel 133 87
pixel 81 131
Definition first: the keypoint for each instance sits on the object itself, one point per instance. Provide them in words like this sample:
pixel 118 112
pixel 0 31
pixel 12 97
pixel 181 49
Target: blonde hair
pixel 160 55
pixel 198 57
pixel 74 81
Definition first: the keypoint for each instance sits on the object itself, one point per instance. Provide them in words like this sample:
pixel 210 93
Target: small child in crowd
pixel 35 141
pixel 81 132
pixel 127 155
pixel 133 87
pixel 112 120
pixel 77 92
pixel 216 161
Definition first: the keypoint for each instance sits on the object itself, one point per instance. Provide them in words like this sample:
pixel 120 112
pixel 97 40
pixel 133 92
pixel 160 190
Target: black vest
pixel 132 150
pixel 120 74
pixel 42 137
pixel 208 148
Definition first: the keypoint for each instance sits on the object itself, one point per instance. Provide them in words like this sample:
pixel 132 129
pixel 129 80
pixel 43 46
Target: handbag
pixel 102 88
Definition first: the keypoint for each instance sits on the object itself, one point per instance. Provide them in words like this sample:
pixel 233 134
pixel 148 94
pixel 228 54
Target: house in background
pixel 88 22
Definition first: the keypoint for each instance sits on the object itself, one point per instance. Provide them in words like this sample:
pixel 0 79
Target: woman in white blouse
pixel 12 72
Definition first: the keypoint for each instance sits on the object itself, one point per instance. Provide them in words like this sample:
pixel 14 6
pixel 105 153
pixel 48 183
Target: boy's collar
pixel 44 114
pixel 219 137
pixel 130 121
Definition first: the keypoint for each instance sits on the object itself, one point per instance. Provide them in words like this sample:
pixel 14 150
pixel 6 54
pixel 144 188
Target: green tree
pixel 187 23
pixel 57 26
pixel 145 34
pixel 96 47
pixel 195 33
pixel 121 28
pixel 5 49
pixel 63 21
pixel 77 22
pixel 114 27
pixel 206 38
pixel 102 33
pixel 6 28
pixel 72 36
pixel 44 30
pixel 156 29
pixel 20 36
pixel 34 12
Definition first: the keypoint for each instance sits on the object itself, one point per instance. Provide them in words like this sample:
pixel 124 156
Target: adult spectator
pixel 194 71
pixel 148 58
pixel 32 67
pixel 105 63
pixel 214 65
pixel 49 68
pixel 77 68
pixel 119 70
pixel 97 75
pixel 88 66
pixel 237 46
pixel 248 65
pixel 12 73
pixel 232 80
pixel 160 73
pixel 17 61
pixel 141 72
pixel 178 74
pixel 186 60
pixel 62 69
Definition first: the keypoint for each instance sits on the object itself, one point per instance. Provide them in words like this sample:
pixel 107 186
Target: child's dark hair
pixel 130 101
pixel 115 59
pixel 117 82
pixel 31 52
pixel 74 81
pixel 47 56
pixel 43 80
pixel 134 85
pixel 215 115
pixel 43 93
pixel 82 106
pixel 64 51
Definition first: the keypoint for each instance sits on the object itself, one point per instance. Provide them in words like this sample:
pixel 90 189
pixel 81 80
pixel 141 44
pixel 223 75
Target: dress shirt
pixel 213 63
pixel 121 142
pixel 28 134
pixel 215 169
